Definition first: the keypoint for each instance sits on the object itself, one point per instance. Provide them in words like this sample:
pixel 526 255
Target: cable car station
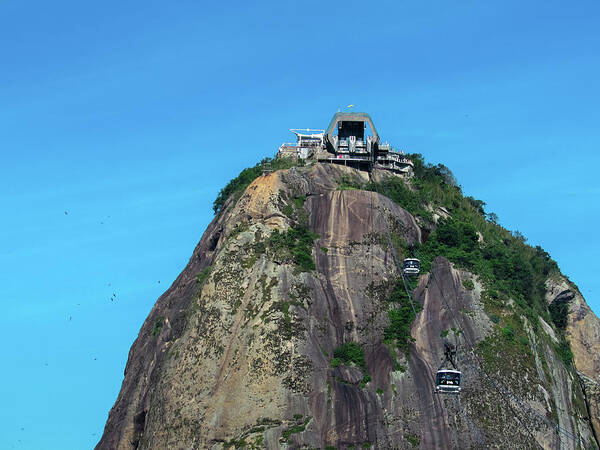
pixel 350 139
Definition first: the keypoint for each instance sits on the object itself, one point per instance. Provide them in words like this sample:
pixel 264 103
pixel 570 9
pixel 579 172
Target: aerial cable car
pixel 448 380
pixel 411 266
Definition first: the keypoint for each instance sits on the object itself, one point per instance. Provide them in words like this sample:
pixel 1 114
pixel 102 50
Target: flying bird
pixel 350 106
pixel 66 213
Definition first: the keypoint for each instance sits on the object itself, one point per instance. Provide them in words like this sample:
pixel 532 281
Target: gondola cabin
pixel 411 266
pixel 447 381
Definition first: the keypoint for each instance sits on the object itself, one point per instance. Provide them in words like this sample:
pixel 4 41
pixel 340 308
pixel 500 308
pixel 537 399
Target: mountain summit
pixel 294 324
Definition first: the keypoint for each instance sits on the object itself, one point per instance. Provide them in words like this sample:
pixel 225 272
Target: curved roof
pixel 350 116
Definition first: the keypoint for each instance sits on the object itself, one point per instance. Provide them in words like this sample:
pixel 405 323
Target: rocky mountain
pixel 293 327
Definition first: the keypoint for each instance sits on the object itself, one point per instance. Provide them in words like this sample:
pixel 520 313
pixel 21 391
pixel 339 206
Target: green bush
pixel 413 440
pixel 158 324
pixel 508 332
pixel 559 312
pixel 350 353
pixel 296 242
pixel 365 380
pixel 468 285
pixel 396 190
pixel 564 352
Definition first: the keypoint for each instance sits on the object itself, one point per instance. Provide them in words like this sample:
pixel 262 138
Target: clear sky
pixel 120 121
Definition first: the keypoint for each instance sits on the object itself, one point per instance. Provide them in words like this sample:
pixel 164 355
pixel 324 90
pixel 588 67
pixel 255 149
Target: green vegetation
pixel 559 311
pixel 296 243
pixel 397 190
pixel 379 391
pixel 297 428
pixel 202 276
pixel 247 176
pixel 294 208
pixel 235 443
pixel 349 182
pixel 413 440
pixel 401 317
pixel 563 349
pixel 508 332
pixel 365 380
pixel 158 324
pixel 468 285
pixel 348 354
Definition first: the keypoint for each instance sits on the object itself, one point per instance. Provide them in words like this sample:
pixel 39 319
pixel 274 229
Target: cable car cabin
pixel 447 381
pixel 411 266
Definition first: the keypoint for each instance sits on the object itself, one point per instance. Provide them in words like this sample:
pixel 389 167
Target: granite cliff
pixel 290 327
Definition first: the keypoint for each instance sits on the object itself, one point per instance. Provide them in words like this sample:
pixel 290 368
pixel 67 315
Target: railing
pixel 359 150
pixel 295 145
pixel 395 158
pixel 350 157
pixel 394 167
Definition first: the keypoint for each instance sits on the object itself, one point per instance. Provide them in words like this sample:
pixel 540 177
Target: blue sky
pixel 130 116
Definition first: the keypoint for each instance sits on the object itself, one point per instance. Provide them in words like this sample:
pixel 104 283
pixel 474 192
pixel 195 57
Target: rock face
pixel 238 351
pixel 583 333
